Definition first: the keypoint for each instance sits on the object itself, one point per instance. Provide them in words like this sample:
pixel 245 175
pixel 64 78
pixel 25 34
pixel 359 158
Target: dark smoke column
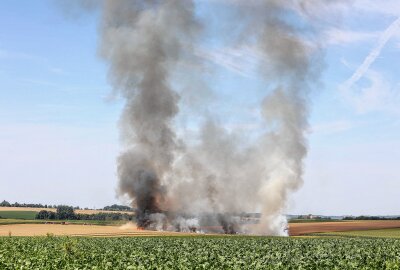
pixel 143 41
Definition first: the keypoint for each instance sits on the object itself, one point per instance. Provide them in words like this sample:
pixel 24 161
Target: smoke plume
pixel 291 64
pixel 142 41
pixel 214 180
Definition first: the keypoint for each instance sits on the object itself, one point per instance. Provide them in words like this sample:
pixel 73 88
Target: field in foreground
pixel 198 253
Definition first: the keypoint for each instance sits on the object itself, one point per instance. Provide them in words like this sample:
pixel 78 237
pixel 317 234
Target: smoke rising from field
pixel 223 174
pixel 291 65
pixel 211 180
pixel 142 41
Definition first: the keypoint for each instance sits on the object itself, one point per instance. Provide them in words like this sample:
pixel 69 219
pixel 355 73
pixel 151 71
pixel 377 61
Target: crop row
pixel 198 253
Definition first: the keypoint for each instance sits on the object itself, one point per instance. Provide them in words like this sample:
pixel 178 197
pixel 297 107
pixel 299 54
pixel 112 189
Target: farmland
pixel 25 227
pixel 55 222
pixel 198 253
pixel 296 229
pixel 18 214
pixel 19 221
pixel 79 211
pixel 27 215
pixel 76 230
pixel 77 244
pixel 387 233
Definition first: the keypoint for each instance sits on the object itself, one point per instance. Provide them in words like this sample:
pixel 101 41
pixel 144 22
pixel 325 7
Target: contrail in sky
pixel 373 55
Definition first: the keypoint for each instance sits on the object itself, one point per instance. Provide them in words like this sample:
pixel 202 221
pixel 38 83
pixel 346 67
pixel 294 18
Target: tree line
pixel 371 218
pixel 114 207
pixel 5 203
pixel 117 207
pixel 65 212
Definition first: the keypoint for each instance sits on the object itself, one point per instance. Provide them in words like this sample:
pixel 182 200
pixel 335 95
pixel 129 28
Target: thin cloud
pixel 387 7
pixel 38 82
pixel 331 127
pixel 15 55
pixel 379 95
pixel 6 54
pixel 242 61
pixel 58 71
pixel 372 56
pixel 336 36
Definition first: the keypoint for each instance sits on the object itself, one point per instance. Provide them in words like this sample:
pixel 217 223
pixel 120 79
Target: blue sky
pixel 58 118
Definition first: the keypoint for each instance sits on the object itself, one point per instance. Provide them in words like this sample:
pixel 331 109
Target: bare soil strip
pixel 296 229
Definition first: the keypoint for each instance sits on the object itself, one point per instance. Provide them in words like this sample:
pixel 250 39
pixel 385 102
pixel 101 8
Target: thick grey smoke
pixel 213 178
pixel 143 41
pixel 291 65
pixel 223 173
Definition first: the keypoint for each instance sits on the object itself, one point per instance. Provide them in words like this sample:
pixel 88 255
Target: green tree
pixel 5 203
pixel 65 212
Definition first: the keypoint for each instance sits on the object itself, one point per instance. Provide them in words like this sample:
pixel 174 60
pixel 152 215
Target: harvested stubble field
pixel 295 229
pixel 77 230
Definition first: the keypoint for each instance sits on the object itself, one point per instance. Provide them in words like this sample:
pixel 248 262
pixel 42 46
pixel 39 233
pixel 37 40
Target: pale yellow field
pixel 53 210
pixel 25 209
pixel 77 230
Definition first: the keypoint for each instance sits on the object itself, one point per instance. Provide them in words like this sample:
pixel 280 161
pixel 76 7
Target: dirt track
pixel 296 229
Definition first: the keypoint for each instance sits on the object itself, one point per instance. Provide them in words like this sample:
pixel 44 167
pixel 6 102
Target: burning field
pixel 185 181
pixel 180 166
pixel 214 101
pixel 130 229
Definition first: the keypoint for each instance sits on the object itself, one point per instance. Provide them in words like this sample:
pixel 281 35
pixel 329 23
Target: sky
pixel 59 117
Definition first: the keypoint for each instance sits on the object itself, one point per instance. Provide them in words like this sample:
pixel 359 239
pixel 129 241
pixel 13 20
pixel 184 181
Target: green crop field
pixel 10 221
pixel 18 214
pixel 20 221
pixel 198 253
pixel 386 233
pixel 93 222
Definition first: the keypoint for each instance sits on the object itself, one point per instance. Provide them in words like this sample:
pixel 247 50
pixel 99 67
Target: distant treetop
pixel 116 207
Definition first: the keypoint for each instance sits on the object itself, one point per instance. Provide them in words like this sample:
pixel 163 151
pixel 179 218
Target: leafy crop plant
pixel 233 252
